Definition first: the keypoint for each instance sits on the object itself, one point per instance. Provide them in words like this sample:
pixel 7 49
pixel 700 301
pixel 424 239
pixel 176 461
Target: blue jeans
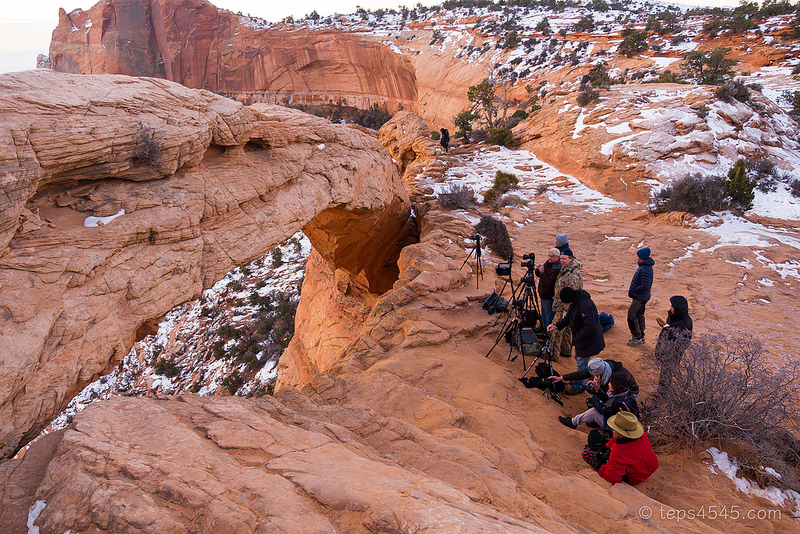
pixel 547 312
pixel 583 364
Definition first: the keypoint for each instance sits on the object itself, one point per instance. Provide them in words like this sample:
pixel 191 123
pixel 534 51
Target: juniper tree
pixel 739 187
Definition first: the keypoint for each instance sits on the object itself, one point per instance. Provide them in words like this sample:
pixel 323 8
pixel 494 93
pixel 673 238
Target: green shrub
pixel 695 193
pixel 196 387
pixel 670 77
pixel 277 257
pixel 233 382
pixel 500 136
pixel 633 43
pixel 463 123
pixel 227 331
pixel 235 285
pixel 166 368
pixel 739 188
pixel 587 96
pixel 503 182
pixel 496 236
pixel 730 91
pixel 793 98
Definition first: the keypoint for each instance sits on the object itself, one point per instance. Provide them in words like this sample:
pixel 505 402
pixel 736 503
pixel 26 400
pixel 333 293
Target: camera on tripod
pixel 531 259
pixel 504 269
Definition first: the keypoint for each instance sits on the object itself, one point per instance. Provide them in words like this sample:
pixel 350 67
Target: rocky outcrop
pixel 408 139
pixel 637 135
pixel 196 44
pixel 190 185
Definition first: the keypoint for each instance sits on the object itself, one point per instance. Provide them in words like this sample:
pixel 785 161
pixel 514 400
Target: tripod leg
pixel 531 367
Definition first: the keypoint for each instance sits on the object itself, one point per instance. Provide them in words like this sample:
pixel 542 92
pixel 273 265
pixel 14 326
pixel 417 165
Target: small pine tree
pixel 739 188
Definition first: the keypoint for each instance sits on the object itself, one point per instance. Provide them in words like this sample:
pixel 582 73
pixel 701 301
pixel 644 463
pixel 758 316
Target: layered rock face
pixel 194 43
pixel 193 185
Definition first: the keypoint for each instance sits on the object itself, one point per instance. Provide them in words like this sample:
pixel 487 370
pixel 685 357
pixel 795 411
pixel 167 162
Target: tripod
pixel 550 391
pixel 476 249
pixel 524 315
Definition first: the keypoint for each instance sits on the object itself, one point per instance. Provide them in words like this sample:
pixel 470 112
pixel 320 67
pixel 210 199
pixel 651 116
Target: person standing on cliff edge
pixel 445 139
pixel 639 293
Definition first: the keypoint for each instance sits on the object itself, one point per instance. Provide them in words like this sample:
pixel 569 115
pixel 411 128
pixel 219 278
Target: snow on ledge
pixel 91 221
pixel 33 515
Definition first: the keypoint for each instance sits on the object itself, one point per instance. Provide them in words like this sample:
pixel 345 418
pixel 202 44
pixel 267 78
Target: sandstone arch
pixel 196 204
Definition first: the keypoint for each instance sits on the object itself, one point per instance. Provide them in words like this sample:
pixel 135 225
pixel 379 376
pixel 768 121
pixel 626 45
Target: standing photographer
pixel 587 334
pixel 547 273
pixel 568 276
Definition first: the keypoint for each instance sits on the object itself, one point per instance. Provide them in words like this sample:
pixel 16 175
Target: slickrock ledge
pixel 199 183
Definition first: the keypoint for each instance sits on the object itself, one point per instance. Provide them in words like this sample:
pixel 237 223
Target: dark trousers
pixel 636 318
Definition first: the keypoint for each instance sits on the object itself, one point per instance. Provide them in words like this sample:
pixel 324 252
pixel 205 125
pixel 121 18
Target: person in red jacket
pixel 630 458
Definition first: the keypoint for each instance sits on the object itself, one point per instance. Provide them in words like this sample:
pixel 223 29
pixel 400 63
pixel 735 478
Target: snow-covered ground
pixel 477 171
pixel 728 467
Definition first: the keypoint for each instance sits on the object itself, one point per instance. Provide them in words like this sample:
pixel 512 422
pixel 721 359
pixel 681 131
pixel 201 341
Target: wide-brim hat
pixel 626 424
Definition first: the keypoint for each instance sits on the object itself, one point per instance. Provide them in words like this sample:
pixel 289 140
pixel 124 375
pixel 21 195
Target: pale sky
pixel 27 25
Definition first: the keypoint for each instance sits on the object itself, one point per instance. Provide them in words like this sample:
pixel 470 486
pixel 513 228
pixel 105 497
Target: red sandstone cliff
pixel 194 43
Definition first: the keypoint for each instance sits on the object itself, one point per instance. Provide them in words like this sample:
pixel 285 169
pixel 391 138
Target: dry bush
pixel 695 193
pixel 149 145
pixel 457 196
pixel 724 390
pixel 496 235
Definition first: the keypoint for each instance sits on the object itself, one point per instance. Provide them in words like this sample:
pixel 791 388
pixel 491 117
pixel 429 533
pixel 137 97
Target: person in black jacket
pixel 547 273
pixel 444 140
pixel 674 339
pixel 639 293
pixel 603 405
pixel 587 334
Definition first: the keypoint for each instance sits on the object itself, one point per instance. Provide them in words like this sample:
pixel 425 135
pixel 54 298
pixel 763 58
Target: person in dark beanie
pixel 587 334
pixel 674 339
pixel 547 273
pixel 562 244
pixel 639 293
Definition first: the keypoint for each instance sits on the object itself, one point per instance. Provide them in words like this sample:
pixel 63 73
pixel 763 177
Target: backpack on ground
pixel 606 320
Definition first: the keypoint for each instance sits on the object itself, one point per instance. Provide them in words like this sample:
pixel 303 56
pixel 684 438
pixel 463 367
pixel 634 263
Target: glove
pixel 661 322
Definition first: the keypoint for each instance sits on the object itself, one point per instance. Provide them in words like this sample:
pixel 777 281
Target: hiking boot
pixel 635 341
pixel 567 422
pixel 572 390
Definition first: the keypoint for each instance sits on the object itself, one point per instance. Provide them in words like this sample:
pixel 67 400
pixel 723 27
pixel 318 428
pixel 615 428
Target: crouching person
pixel 628 456
pixel 602 405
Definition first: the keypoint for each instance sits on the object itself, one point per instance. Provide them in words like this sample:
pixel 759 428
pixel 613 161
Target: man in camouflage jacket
pixel 568 276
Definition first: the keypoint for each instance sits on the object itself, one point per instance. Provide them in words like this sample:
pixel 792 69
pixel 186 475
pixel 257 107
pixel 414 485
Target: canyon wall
pixel 199 46
pixel 191 185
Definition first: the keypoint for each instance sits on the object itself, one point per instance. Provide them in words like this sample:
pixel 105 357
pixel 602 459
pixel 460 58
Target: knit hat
pixel 554 252
pixel 562 239
pixel 643 253
pixel 597 366
pixel 567 295
pixel 626 424
pixel 679 303
pixel 567 251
